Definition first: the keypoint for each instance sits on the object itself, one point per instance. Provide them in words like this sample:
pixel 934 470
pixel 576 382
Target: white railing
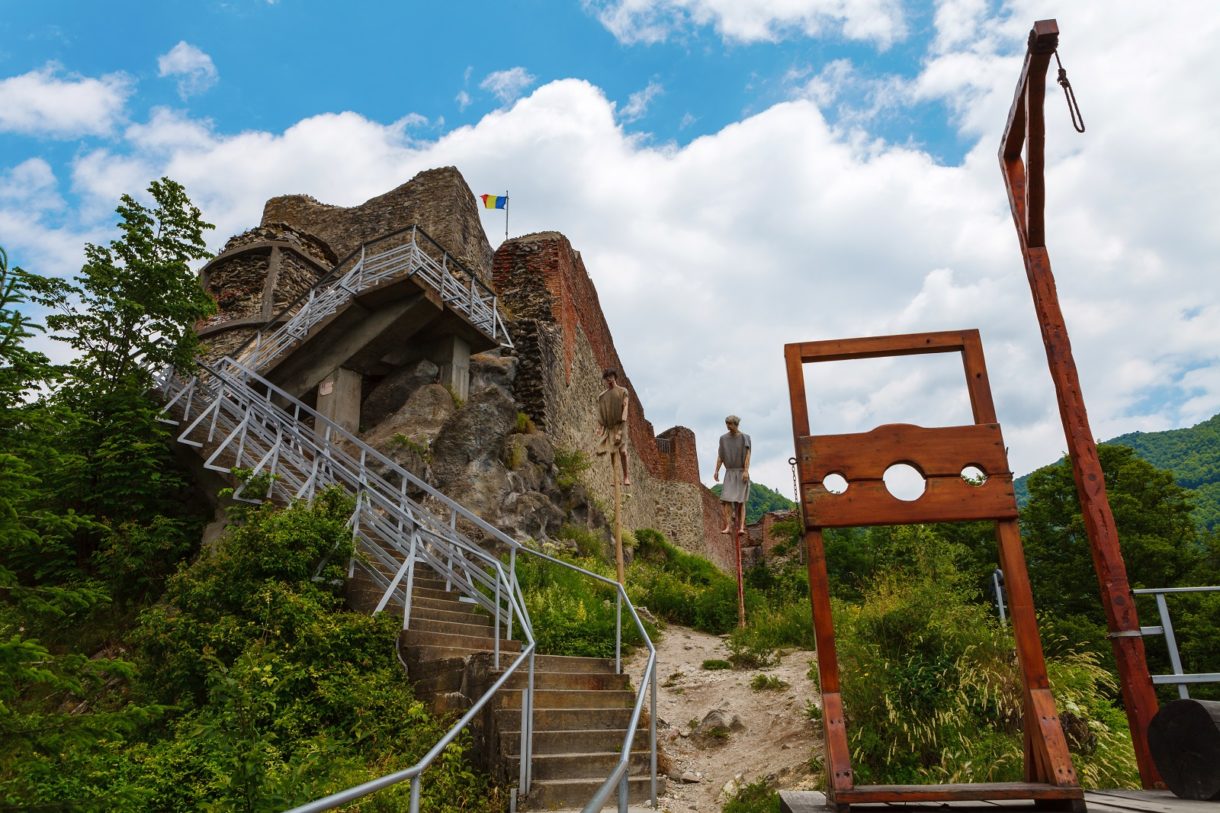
pixel 456 287
pixel 239 420
pixel 1179 677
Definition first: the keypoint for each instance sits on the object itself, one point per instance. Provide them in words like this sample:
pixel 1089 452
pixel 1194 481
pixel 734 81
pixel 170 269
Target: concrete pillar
pixel 452 355
pixel 339 398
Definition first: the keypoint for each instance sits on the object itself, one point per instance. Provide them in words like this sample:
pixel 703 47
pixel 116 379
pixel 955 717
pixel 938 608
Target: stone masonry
pixel 563 342
pixel 437 200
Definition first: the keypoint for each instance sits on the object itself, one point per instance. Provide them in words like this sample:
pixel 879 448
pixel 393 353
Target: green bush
pixel 932 693
pixel 680 587
pixel 573 614
pixel 283 696
pixel 571 463
pixel 756 797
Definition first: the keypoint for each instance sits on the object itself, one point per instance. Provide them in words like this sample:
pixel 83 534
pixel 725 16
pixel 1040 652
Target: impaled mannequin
pixel 734 455
pixel 612 422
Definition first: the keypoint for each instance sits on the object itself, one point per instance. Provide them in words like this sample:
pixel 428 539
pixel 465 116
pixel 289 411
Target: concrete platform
pixel 1097 801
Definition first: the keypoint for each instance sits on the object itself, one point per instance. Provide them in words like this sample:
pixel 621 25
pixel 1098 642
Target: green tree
pixel 135 302
pixel 1158 537
pixel 130 312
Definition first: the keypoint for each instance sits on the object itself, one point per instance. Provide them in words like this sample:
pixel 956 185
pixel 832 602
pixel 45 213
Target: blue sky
pixel 736 174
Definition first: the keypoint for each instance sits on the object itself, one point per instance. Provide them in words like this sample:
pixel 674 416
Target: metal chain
pixel 796 488
pixel 1073 108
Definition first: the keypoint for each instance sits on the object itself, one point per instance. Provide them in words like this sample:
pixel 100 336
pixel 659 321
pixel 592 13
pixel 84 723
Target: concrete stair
pixel 581 707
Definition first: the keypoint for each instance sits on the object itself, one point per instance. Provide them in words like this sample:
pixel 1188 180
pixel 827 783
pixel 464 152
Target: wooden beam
pixel 1139 698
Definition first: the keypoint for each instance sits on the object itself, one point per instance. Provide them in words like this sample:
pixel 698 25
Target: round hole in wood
pixel 835 483
pixel 974 475
pixel 904 481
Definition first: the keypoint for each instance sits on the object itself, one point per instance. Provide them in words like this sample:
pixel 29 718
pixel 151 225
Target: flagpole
pixel 505 214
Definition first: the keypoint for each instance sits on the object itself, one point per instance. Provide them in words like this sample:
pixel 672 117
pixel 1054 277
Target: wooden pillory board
pixel 941 455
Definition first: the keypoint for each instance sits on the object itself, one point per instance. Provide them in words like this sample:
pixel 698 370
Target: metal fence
pixel 1179 677
pixel 239 420
pixel 456 286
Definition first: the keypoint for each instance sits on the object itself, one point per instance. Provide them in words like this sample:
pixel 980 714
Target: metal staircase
pixel 400 524
pixel 446 280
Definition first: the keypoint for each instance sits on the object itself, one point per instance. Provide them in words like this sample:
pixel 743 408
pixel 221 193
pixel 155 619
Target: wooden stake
pixel 741 591
pixel 618 526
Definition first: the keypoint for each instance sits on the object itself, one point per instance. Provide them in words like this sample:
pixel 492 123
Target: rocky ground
pixel 763 734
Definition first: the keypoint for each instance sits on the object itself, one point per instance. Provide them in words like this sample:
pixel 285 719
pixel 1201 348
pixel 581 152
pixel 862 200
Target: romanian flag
pixel 494 201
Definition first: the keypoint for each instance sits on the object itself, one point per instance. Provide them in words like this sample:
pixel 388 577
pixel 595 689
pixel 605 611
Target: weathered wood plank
pixel 936 451
pixel 945 499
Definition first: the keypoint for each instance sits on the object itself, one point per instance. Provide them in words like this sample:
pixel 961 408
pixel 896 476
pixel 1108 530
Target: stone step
pixel 549 794
pixel 428 592
pixel 567 719
pixel 564 680
pixel 471 616
pixel 452 603
pixel 569 663
pixel 595 765
pixel 424 654
pixel 570 699
pixel 451 628
pixel 562 742
pixel 475 643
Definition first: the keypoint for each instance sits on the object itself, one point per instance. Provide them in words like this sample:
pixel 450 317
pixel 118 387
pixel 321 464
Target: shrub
pixel 570 463
pixel 756 797
pixel 713 664
pixel 768 683
pixel 282 695
pixel 932 694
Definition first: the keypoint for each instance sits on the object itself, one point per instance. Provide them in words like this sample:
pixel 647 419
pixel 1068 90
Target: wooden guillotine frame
pixel 1025 181
pixel 941 455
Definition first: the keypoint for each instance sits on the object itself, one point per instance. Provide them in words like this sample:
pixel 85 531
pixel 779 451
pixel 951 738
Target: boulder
pixel 393 391
pixel 492 370
pixel 716 726
pixel 474 435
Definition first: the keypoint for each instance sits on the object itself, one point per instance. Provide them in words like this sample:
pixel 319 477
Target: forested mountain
pixel 761 500
pixel 1193 455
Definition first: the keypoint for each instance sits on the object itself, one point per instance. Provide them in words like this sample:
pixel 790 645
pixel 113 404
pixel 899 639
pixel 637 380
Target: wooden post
pixel 618 524
pixel 741 590
pixel 1024 181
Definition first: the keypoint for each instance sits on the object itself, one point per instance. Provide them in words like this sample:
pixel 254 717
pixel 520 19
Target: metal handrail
pixel 465 292
pixel 232 384
pixel 360 250
pixel 1171 642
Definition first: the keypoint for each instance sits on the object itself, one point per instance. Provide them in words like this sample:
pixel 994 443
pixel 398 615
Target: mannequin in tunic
pixel 612 422
pixel 734 455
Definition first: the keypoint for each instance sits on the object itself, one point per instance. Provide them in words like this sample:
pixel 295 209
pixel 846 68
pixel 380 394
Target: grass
pixel 712 664
pixel 768 683
pixel 571 464
pixel 756 797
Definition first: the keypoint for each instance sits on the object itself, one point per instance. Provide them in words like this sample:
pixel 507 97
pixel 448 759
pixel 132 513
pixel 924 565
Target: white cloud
pixel 708 257
pixel 507 85
pixel 46 102
pixel 463 100
pixel 638 102
pixel 194 68
pixel 31 185
pixel 648 21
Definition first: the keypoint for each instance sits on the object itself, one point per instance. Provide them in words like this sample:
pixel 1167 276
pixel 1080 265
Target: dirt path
pixel 777 739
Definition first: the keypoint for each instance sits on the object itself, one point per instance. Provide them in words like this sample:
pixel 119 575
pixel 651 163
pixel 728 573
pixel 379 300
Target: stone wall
pixel 437 200
pixel 254 277
pixel 563 342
